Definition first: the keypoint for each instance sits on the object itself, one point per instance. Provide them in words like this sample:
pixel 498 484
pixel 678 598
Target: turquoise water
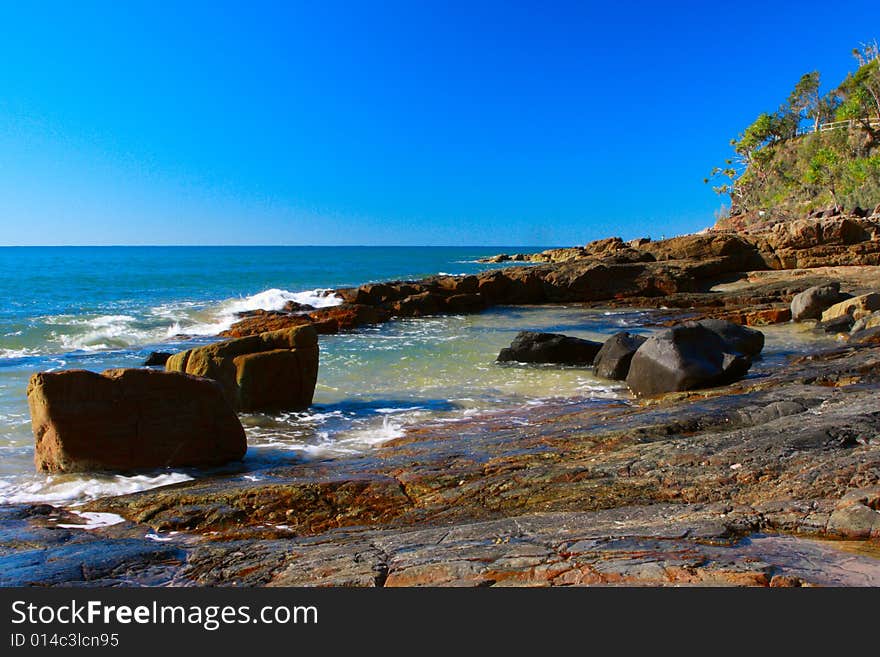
pixel 102 307
pixel 97 308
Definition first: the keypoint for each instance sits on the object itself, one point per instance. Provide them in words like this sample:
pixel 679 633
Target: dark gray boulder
pixel 742 339
pixel 529 347
pixel 685 357
pixel 613 359
pixel 157 359
pixel 812 302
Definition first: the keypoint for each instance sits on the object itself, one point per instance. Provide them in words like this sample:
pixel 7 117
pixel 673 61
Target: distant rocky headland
pixel 746 276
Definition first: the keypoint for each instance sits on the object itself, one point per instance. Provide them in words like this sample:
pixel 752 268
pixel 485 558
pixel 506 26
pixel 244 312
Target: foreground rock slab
pixel 130 419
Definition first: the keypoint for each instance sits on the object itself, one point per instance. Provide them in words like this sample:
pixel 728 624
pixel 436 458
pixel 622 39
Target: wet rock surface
pixel 156 359
pixel 42 546
pixel 728 486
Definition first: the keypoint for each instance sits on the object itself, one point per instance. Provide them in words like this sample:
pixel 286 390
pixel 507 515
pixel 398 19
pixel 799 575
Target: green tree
pixel 778 170
pixel 823 171
pixel 764 131
pixel 861 90
pixel 805 101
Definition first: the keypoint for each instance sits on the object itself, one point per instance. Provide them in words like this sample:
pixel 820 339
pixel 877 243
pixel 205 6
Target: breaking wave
pixel 224 315
pixel 60 489
pixel 133 329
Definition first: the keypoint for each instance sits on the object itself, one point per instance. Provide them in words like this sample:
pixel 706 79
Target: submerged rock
pixel 613 360
pixel 685 357
pixel 128 419
pixel 271 371
pixel 812 302
pixel 529 347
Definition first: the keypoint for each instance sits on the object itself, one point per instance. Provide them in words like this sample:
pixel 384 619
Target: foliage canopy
pixel 816 150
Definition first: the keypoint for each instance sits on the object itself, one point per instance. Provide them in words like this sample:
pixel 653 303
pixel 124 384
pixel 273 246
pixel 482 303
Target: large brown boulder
pixel 516 285
pixel 731 252
pixel 463 304
pixel 418 305
pixel 271 371
pixel 130 419
pixel 457 284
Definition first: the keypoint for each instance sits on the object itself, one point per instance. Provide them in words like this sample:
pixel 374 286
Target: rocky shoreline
pixel 749 278
pixel 773 480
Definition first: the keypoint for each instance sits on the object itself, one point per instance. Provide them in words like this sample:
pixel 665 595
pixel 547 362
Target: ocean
pixel 104 307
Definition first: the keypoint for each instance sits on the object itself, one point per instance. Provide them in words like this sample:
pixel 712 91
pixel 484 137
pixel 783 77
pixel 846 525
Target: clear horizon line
pixel 319 246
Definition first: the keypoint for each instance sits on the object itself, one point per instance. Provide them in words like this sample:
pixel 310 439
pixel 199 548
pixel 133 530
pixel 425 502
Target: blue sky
pixel 471 123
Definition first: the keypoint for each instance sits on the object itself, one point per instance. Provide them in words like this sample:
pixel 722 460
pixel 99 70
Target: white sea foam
pixel 372 436
pixel 225 314
pixel 102 333
pixel 94 520
pixel 389 411
pixel 157 324
pixel 18 353
pixel 72 489
pixel 356 437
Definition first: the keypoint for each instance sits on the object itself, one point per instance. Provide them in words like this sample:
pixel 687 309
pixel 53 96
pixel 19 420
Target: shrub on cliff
pixel 815 151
